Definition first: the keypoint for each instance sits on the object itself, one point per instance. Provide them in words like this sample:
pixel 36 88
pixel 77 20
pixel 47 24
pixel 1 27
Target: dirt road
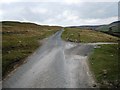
pixel 56 64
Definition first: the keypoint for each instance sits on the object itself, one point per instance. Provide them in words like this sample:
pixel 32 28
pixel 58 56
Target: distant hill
pixel 86 27
pixel 112 28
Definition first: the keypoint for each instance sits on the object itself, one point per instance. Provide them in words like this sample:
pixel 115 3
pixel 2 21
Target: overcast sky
pixel 60 12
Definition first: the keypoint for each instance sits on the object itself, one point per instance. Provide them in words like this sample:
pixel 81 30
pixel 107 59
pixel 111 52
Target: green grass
pixel 86 36
pixel 19 40
pixel 104 65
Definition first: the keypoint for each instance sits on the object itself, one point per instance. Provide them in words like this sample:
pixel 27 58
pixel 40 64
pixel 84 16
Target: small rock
pixel 104 72
pixel 110 38
pixel 105 82
pixel 110 84
pixel 94 85
pixel 85 54
pixel 8 31
pixel 19 41
pixel 97 46
pixel 21 45
pixel 12 47
pixel 9 52
pixel 111 55
pixel 116 83
pixel 104 76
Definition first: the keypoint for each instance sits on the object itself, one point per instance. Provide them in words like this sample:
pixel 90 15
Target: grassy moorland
pixel 19 40
pixel 104 64
pixel 86 36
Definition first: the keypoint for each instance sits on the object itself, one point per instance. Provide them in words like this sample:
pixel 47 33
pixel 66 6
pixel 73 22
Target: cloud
pixel 64 13
pixel 64 1
pixel 39 10
pixel 101 21
pixel 72 1
pixel 1 14
pixel 69 16
pixel 91 21
pixel 9 1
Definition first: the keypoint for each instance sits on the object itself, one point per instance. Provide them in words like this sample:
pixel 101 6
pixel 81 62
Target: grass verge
pixel 19 40
pixel 86 36
pixel 104 65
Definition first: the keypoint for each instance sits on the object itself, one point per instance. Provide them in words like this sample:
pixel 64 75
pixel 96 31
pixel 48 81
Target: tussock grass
pixel 86 36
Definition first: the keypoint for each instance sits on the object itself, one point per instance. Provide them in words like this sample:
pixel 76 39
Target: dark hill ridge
pixel 14 23
pixel 116 22
pixel 85 27
pixel 24 26
pixel 112 28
